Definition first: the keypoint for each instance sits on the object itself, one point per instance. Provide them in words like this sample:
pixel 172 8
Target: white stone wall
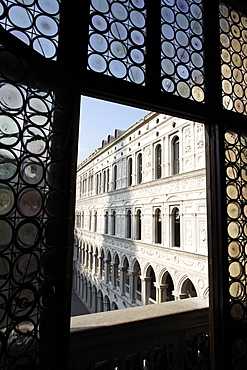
pixel 186 191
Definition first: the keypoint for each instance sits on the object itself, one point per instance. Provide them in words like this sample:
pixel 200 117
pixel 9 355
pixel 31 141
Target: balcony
pixel 170 335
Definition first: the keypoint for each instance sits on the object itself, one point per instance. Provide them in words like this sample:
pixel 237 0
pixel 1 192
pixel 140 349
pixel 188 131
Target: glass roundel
pixel 182 56
pixel 35 118
pixel 233 36
pixel 117 39
pixel 35 23
pixel 236 210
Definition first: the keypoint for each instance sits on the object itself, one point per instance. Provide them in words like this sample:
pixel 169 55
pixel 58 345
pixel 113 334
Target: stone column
pixel 107 271
pixel 114 275
pixel 123 271
pixel 99 303
pixel 133 286
pixel 146 289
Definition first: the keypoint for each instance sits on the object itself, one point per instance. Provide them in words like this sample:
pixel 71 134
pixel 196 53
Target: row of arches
pixel 134 284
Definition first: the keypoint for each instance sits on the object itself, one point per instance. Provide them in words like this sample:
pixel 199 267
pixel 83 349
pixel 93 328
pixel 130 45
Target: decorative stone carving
pixel 188 233
pixel 187 140
pixel 200 136
pixel 202 234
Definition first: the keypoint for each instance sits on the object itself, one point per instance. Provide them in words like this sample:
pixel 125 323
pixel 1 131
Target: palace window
pixel 113 223
pixel 130 171
pixel 175 227
pixel 175 156
pixel 95 221
pixel 158 226
pixel 106 222
pixel 139 168
pixel 158 154
pixel 128 224
pixel 138 225
pixel 115 177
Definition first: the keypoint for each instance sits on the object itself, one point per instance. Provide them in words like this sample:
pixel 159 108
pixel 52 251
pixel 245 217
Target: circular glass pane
pixel 7 199
pixel 99 23
pixel 97 63
pixel 118 49
pixel 137 19
pixel 50 7
pixel 136 75
pixel 29 202
pixel 237 311
pixel 55 175
pixel 9 131
pixel 31 170
pixel 167 31
pixel 183 89
pixel 34 140
pixel 20 17
pixel 119 31
pixel 232 191
pixel 5 234
pixel 235 270
pixel 27 235
pixel 234 249
pixel 117 68
pixel 98 42
pixel 233 210
pixel 10 97
pixel 54 203
pixel 22 302
pixel 137 56
pixel 46 25
pixel 236 290
pixel 25 268
pixel 233 229
pixel 119 11
pixel 8 164
pixel 44 47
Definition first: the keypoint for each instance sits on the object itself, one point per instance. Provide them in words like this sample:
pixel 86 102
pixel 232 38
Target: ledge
pixel 137 314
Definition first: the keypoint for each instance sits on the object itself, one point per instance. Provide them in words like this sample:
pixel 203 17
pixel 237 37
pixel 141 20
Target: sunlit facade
pixel 141 230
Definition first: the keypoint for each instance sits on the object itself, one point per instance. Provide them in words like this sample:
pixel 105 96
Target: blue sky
pixel 99 119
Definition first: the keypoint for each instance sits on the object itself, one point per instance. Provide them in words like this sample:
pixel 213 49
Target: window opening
pixel 152 226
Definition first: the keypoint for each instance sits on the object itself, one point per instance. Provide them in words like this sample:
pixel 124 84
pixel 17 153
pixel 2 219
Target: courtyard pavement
pixel 77 307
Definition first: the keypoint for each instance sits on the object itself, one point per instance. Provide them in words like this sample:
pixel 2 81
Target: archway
pixel 188 289
pixel 167 288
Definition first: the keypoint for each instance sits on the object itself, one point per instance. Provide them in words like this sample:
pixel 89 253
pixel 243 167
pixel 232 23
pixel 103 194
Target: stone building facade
pixel 141 227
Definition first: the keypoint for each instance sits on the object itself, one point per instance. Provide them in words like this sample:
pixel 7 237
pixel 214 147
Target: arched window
pixel 113 224
pixel 158 226
pixel 176 227
pixel 90 220
pixel 95 221
pixel 108 180
pixel 128 224
pixel 139 168
pixel 115 177
pixel 175 156
pixel 138 225
pixel 158 155
pixel 97 184
pixel 82 220
pixel 104 181
pixel 106 222
pixel 130 171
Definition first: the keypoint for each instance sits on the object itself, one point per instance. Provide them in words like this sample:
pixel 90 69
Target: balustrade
pixel 169 335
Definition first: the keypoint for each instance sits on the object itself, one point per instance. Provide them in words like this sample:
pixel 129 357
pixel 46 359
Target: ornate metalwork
pixel 34 22
pixel 34 125
pixel 233 37
pixel 182 55
pixel 117 39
